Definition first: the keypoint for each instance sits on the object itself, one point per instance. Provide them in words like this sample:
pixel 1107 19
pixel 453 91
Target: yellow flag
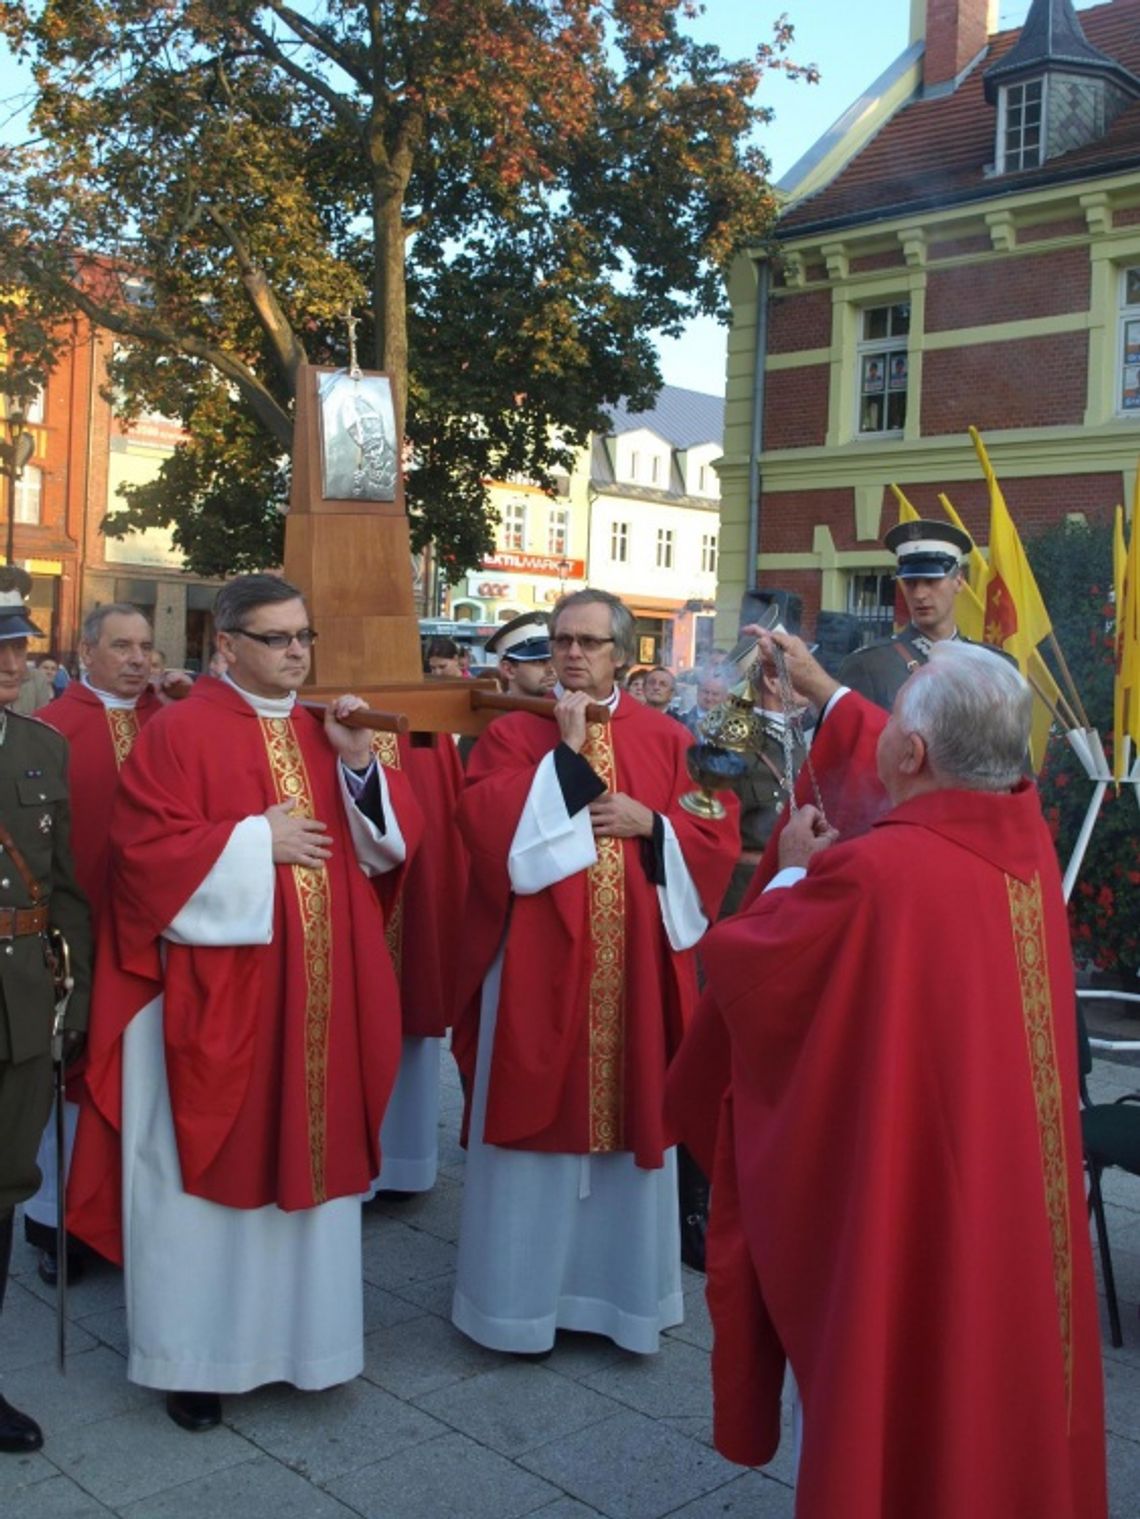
pixel 907 513
pixel 977 569
pixel 1119 562
pixel 1014 616
pixel 1128 638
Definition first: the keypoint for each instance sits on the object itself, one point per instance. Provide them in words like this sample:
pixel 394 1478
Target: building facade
pixel 637 516
pixel 963 247
pixel 83 453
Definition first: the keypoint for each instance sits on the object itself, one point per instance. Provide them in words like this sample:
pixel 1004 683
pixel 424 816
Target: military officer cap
pixel 15 585
pixel 927 550
pixel 524 638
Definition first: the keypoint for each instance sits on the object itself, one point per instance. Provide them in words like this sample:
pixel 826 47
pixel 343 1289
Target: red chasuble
pixel 593 1000
pixel 898 1199
pixel 843 761
pixel 100 739
pixel 280 1057
pixel 422 920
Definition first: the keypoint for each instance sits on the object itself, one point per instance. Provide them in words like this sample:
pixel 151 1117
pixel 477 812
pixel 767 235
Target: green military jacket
pixel 762 793
pixel 35 810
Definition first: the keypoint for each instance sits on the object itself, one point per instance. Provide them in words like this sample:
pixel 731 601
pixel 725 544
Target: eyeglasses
pixel 306 638
pixel 588 644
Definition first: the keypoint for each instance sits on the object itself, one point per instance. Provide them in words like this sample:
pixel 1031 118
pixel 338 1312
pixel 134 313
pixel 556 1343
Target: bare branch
pixel 322 41
pixel 339 104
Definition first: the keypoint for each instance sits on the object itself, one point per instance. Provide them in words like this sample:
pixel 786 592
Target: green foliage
pixel 516 193
pixel 1073 565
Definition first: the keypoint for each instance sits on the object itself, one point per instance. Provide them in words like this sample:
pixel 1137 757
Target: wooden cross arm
pixel 541 706
pixel 363 717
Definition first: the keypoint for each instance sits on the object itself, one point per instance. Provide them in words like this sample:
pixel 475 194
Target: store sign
pixel 535 564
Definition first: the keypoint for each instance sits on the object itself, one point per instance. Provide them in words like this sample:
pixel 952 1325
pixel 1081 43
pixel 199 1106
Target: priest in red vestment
pixel 898 1198
pixel 421 930
pixel 245 1033
pixel 100 716
pixel 590 885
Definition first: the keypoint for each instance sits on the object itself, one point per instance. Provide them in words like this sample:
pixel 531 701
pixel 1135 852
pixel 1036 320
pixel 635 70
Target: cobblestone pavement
pixel 436 1426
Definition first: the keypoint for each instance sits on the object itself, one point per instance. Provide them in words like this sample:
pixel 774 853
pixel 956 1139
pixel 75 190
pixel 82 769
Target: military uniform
pixel 38 892
pixel 762 797
pixel 35 814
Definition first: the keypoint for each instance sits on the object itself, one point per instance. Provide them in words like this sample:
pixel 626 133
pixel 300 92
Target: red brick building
pixel 962 247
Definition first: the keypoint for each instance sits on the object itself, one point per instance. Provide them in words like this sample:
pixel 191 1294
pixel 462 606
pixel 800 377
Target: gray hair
pixel 972 708
pixel 623 629
pixel 244 594
pixel 92 629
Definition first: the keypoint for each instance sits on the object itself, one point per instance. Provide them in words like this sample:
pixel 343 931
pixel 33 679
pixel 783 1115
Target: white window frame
pixel 558 531
pixel 28 502
pixel 619 542
pixel 514 526
pixel 887 350
pixel 666 544
pixel 708 553
pixel 1001 150
pixel 655 469
pixel 634 463
pixel 1127 404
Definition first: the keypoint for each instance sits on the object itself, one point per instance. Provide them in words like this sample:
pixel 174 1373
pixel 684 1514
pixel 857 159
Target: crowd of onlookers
pixel 48 677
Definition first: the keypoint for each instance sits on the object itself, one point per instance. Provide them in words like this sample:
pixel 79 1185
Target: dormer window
pixel 1021 115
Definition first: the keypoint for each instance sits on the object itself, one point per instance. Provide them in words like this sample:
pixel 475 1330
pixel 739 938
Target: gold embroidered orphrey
pixel 291 782
pixel 1027 921
pixel 386 748
pixel 124 725
pixel 605 881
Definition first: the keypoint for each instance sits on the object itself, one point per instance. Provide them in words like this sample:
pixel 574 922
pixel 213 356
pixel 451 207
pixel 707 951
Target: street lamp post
pixel 563 568
pixel 16 449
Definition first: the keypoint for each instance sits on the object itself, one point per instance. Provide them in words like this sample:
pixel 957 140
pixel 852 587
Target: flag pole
pixel 1077 858
pixel 1073 692
pixel 1062 714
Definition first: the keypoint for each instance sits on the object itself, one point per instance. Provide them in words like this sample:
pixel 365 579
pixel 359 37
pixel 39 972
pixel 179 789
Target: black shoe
pixel 18 1434
pixel 48 1268
pixel 391 1195
pixel 693 1227
pixel 195 1411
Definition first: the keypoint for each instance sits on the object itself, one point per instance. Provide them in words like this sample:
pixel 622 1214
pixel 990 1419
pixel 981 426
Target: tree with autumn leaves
pixel 515 194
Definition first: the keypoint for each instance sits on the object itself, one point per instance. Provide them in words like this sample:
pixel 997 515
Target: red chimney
pixel 956 33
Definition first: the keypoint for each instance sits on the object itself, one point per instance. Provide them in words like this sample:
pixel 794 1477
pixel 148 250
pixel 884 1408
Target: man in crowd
pixel 929 557
pixel 38 892
pixel 100 716
pixel 523 647
pixel 712 691
pixel 660 687
pixel 605 883
pixel 898 1200
pixel 245 1033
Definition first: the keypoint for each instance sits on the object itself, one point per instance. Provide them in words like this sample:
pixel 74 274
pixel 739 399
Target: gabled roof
pixel 934 152
pixel 1051 38
pixel 683 418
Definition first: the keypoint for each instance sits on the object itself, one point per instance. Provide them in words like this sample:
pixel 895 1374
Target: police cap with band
pixel 524 638
pixel 15 585
pixel 927 550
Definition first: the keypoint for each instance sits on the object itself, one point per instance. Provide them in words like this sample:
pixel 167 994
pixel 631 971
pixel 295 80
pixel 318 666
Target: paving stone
pixel 384 1309
pixel 697 1326
pixel 415 1358
pixel 395 1254
pixel 258 1489
pixel 94 1388
pixel 433 1296
pixel 750 1496
pixel 99 1290
pixel 517 1407
pixel 136 1455
pixel 110 1327
pixel 18 1473
pixel 1121 1398
pixel 630 1467
pixel 578 1355
pixel 451 1476
pixel 565 1508
pixel 435 1212
pixel 27 1330
pixel 675 1381
pixel 327 1434
pixel 58 1498
pixel 1123 1477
